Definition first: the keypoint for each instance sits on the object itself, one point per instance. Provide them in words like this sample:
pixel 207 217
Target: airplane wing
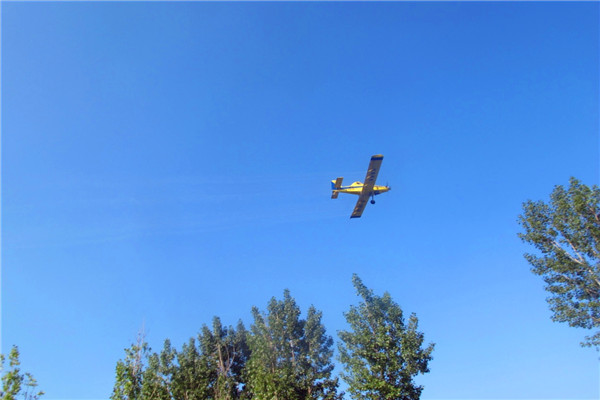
pixel 372 172
pixel 360 206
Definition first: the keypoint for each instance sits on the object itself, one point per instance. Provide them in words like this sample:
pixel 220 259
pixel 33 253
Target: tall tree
pixel 17 384
pixel 226 351
pixel 192 377
pixel 381 354
pixel 209 368
pixel 290 357
pixel 566 231
pixel 129 372
pixel 317 360
pixel 157 377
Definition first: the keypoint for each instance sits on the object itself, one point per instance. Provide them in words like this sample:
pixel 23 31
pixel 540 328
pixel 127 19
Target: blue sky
pixel 165 163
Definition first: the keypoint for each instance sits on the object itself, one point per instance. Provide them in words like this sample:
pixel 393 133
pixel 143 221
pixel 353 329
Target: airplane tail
pixel 335 187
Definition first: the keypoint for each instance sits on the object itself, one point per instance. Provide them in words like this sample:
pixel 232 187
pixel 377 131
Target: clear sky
pixel 165 163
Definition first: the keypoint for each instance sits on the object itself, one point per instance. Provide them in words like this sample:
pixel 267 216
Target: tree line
pixel 284 356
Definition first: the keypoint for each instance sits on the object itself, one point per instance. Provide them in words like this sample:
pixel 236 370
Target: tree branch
pixel 580 260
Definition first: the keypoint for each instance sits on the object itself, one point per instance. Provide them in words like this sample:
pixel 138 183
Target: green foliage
pixel 283 357
pixel 317 361
pixel 566 231
pixel 157 377
pixel 290 357
pixel 207 368
pixel 227 351
pixel 381 354
pixel 129 372
pixel 191 378
pixel 17 384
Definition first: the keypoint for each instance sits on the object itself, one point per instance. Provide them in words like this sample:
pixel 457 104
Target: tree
pixel 566 231
pixel 16 383
pixel 129 372
pixel 209 368
pixel 290 357
pixel 226 351
pixel 191 379
pixel 317 361
pixel 157 377
pixel 381 354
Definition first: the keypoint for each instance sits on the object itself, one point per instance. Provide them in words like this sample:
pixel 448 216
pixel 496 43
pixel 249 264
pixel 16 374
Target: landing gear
pixel 372 201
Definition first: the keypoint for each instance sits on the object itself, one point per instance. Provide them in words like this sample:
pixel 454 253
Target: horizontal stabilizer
pixel 335 187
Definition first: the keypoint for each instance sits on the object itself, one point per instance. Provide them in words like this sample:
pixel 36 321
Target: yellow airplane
pixel 363 190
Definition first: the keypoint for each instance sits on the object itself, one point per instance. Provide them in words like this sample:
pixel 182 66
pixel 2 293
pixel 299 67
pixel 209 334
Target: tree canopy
pixel 208 367
pixel 283 356
pixel 566 232
pixel 17 384
pixel 382 354
pixel 291 356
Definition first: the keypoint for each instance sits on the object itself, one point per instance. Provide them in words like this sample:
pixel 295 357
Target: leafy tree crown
pixel 381 353
pixel 566 232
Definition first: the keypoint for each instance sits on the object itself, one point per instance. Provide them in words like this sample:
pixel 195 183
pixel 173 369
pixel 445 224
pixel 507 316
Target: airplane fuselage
pixel 357 187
